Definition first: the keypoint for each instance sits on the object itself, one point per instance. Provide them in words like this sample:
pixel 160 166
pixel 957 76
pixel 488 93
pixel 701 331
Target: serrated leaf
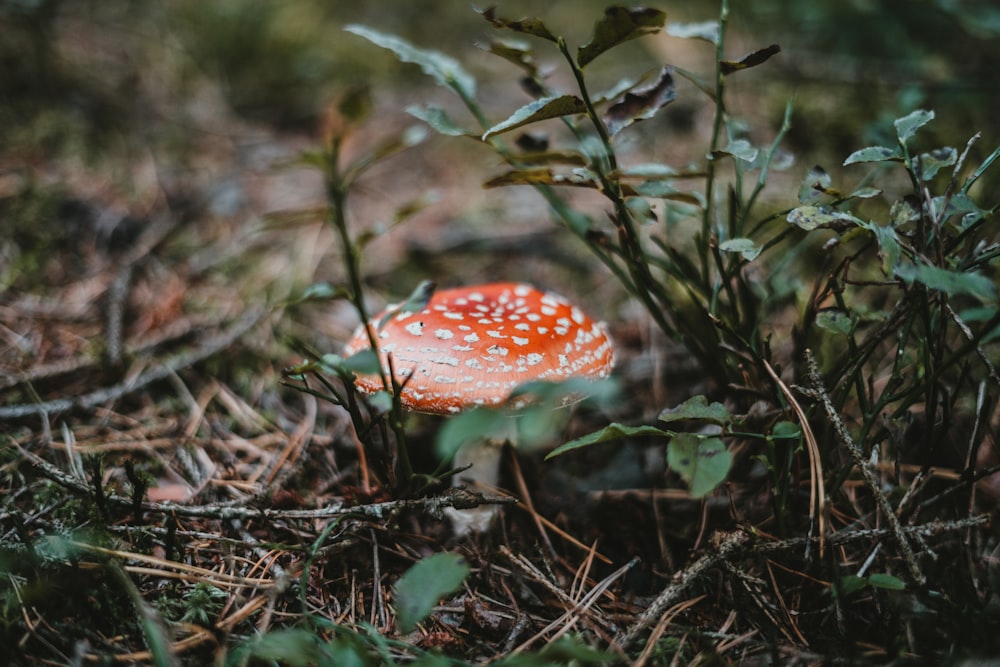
pixel 641 104
pixel 887 582
pixel 750 60
pixel 423 585
pixel 527 26
pixel 874 154
pixel 835 320
pixel 949 282
pixel 705 30
pixel 438 119
pixel 444 69
pixel 745 247
pixel 907 126
pixel 610 432
pixel 697 407
pixel 702 463
pixel 931 163
pixel 543 109
pixel 619 25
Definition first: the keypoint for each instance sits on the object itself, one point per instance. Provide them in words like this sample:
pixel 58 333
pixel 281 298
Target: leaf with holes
pixel 702 463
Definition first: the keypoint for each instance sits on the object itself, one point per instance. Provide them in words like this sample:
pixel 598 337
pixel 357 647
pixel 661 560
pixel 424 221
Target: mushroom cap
pixel 472 346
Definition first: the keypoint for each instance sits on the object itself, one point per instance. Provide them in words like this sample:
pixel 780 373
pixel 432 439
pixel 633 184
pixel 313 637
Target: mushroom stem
pixel 483 475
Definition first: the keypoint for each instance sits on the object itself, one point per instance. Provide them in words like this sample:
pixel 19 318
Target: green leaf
pixel 355 104
pixel 812 217
pixel 543 109
pixel 438 119
pixel 746 247
pixel 665 190
pixel 865 193
pixel 444 69
pixel 526 26
pixel 702 463
pixel 750 60
pixel 785 430
pixel 294 647
pixel 642 104
pixel 705 30
pixel 814 185
pixel 364 362
pixel 321 292
pixel 889 249
pixel 641 211
pixel 835 320
pixel 741 149
pixel 874 154
pixel 907 126
pixel 470 426
pixel 613 431
pixel 619 25
pixel 516 52
pixel 848 585
pixel 424 584
pixel 931 163
pixel 580 179
pixel 886 581
pixel 949 282
pixel 697 407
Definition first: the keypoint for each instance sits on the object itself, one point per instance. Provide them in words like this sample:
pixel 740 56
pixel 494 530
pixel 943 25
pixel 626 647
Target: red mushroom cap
pixel 472 346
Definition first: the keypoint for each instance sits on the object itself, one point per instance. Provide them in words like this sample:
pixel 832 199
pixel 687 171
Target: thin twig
pixel 817 490
pixel 209 347
pixel 859 460
pixel 726 546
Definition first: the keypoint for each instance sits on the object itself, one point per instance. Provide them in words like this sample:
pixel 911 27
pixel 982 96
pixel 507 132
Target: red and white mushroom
pixel 471 346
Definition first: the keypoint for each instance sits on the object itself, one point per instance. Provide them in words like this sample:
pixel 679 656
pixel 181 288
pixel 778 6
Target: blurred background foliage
pixel 110 85
pixel 72 69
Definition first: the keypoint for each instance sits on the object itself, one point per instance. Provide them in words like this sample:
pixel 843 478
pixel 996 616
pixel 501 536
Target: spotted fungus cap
pixel 472 346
